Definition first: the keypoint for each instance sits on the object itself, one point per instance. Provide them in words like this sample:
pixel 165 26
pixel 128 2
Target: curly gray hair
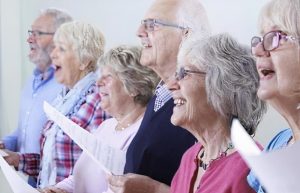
pixel 231 77
pixel 137 79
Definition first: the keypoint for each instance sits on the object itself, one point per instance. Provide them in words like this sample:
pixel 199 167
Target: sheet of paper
pixel 3 153
pixel 277 170
pixel 242 141
pixel 110 159
pixel 17 184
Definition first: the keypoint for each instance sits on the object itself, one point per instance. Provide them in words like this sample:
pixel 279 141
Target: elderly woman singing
pixel 77 48
pixel 125 87
pixel 277 53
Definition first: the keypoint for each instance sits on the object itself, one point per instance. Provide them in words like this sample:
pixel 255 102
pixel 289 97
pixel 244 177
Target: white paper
pixel 278 171
pixel 17 184
pixel 242 141
pixel 3 153
pixel 110 159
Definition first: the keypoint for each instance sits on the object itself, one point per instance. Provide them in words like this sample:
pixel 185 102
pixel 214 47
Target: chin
pixel 177 121
pixel 265 94
pixel 146 60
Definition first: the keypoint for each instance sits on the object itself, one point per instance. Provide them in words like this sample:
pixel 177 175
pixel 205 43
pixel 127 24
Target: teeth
pixel 145 44
pixel 179 102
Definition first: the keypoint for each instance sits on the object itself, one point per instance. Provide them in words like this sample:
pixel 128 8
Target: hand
pixel 134 183
pixel 12 159
pixel 52 189
pixel 2 146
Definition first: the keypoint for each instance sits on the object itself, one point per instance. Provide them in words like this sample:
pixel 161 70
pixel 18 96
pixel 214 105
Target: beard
pixel 41 58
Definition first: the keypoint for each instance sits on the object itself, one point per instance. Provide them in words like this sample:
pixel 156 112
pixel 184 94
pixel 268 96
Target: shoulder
pixel 107 124
pixel 280 139
pixel 237 171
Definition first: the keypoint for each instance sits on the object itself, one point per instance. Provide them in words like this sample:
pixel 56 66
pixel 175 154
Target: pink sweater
pixel 87 176
pixel 226 175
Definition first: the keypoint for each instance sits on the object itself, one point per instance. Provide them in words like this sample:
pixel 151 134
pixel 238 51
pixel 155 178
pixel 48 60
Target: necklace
pixel 121 126
pixel 204 166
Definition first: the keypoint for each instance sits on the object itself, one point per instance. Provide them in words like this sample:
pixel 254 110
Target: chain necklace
pixel 204 166
pixel 122 126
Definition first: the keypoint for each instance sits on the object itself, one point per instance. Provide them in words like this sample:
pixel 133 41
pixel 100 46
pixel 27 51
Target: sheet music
pixel 17 184
pixel 278 170
pixel 3 153
pixel 110 159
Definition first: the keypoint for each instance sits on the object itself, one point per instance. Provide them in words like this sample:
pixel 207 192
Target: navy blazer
pixel 158 146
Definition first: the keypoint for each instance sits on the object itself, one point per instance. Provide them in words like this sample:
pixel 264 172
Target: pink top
pixel 225 175
pixel 88 177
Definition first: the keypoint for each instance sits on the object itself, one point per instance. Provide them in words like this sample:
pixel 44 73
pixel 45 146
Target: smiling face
pixel 67 64
pixel 190 100
pixel 41 45
pixel 278 69
pixel 160 47
pixel 112 91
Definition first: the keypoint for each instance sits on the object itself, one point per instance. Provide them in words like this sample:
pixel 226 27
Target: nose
pixel 141 32
pixel 99 82
pixel 259 51
pixel 30 38
pixel 53 54
pixel 172 84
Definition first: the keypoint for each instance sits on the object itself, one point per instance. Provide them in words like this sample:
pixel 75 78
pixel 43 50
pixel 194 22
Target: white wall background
pixel 118 19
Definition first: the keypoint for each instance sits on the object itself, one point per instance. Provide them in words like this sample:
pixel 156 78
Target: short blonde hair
pixel 282 13
pixel 84 38
pixel 137 79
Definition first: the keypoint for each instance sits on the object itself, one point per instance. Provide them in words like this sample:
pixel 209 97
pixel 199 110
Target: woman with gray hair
pixel 125 87
pixel 216 80
pixel 77 47
pixel 223 72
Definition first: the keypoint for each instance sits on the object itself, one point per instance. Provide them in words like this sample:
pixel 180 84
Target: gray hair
pixel 137 79
pixel 231 77
pixel 84 38
pixel 282 13
pixel 59 16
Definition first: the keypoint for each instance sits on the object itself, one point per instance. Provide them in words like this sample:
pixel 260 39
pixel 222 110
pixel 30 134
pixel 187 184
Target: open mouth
pixel 102 94
pixel 146 44
pixel 32 47
pixel 57 68
pixel 266 72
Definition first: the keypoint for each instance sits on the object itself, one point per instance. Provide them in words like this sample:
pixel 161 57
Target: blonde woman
pixel 77 48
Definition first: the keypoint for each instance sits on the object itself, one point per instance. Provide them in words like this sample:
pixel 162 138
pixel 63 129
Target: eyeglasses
pixel 149 24
pixel 181 73
pixel 270 41
pixel 37 33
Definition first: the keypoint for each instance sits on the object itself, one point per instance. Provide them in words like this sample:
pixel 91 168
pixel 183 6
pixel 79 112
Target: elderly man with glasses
pixel 157 148
pixel 40 87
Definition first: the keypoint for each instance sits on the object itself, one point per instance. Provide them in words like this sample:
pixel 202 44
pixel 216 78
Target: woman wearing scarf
pixel 77 48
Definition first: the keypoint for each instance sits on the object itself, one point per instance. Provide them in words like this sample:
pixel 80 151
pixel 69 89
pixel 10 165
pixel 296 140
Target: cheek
pixel 44 43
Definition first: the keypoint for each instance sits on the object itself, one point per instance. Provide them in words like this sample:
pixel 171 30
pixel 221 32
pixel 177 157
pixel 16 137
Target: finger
pixel 45 190
pixel 116 180
pixel 2 146
pixel 115 189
